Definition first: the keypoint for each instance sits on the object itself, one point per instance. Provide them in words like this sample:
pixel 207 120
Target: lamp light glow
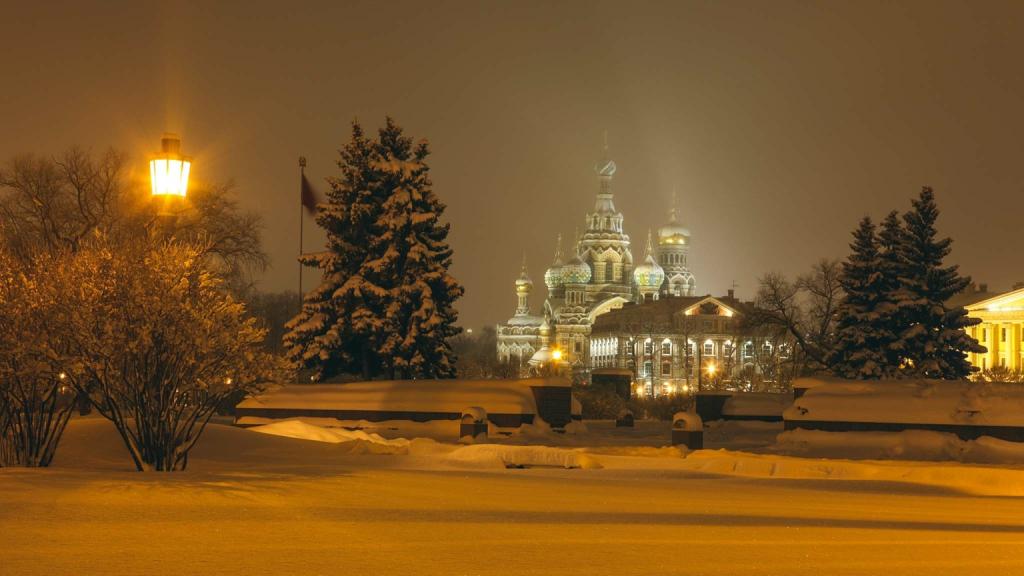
pixel 169 170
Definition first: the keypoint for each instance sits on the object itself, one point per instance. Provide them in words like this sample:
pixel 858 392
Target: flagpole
pixel 302 177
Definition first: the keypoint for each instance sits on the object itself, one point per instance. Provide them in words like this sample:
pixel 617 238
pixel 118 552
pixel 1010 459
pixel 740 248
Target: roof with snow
pixel 665 308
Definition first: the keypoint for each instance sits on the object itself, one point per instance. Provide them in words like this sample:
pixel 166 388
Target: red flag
pixel 309 196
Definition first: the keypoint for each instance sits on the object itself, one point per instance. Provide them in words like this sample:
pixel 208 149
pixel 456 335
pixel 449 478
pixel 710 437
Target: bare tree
pixel 273 310
pixel 53 204
pixel 475 357
pixel 822 293
pixel 806 309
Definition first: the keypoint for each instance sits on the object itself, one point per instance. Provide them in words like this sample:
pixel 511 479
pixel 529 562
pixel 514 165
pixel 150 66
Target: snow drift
pixel 909 402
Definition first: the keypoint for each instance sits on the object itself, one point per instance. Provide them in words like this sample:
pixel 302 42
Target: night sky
pixel 779 123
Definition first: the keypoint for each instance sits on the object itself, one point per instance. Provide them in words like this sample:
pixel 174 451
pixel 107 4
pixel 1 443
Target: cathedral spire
pixel 650 244
pixel 523 288
pixel 606 167
pixel 672 207
pixel 558 250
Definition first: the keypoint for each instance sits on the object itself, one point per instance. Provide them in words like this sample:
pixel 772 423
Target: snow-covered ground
pixel 604 501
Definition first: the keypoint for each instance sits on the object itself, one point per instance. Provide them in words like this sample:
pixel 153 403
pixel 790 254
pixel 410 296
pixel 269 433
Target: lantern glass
pixel 169 170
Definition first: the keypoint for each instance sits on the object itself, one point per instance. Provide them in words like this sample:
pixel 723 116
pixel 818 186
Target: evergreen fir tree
pixel 890 267
pixel 385 304
pixel 934 342
pixel 341 321
pixel 413 263
pixel 861 334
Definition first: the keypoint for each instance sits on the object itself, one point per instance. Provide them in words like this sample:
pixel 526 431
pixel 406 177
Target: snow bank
pixel 910 402
pixel 358 442
pixel 971 479
pixel 503 456
pixel 449 396
pixel 756 404
pixel 741 434
pixel 905 445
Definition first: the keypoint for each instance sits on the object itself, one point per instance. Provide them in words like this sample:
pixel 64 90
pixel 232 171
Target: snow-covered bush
pixel 35 400
pixel 661 407
pixel 598 403
pixel 158 344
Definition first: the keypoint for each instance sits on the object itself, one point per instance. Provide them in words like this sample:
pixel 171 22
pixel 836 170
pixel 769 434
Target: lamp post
pixel 168 173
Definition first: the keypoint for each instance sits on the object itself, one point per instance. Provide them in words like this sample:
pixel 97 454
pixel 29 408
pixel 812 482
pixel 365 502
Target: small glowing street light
pixel 169 170
pixel 711 369
pixel 556 355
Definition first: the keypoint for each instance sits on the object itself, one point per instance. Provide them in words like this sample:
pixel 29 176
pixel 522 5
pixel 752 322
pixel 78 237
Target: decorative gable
pixel 710 306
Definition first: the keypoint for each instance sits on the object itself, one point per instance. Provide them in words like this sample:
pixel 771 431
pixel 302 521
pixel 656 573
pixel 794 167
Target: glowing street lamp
pixel 556 355
pixel 169 170
pixel 711 369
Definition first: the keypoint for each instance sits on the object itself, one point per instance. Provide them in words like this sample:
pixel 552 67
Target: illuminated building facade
pixel 680 344
pixel 1001 330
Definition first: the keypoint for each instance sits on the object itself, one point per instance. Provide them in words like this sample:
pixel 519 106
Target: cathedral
pixel 596 274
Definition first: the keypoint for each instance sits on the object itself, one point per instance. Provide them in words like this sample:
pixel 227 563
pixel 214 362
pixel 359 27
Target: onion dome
pixel 649 274
pixel 576 271
pixel 541 357
pixel 673 232
pixel 553 276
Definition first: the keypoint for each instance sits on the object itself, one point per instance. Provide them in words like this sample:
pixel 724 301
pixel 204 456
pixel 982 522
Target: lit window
pixel 709 349
pixel 666 348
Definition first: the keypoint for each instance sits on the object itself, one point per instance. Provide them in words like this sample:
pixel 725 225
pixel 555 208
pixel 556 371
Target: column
pixel 992 343
pixel 1013 334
